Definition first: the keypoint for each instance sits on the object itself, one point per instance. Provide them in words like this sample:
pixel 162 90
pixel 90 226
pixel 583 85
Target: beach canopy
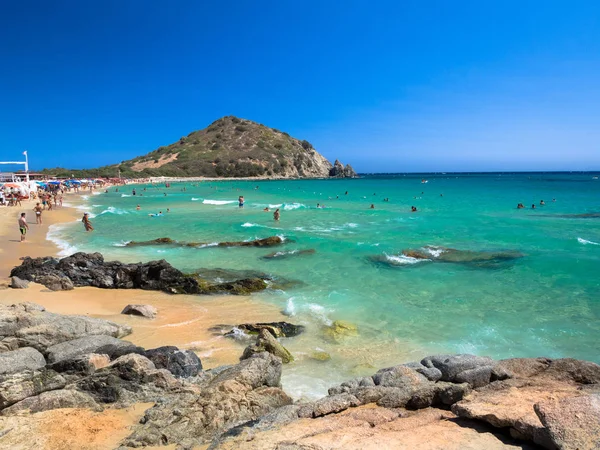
pixel 12 186
pixel 55 183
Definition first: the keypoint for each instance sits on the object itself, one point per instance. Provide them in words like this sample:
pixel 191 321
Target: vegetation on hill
pixel 228 147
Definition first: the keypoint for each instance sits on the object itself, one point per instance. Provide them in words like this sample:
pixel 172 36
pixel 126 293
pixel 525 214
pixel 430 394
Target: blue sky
pixel 386 86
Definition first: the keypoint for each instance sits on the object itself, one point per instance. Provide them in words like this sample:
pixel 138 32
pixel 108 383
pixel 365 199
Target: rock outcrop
pixel 277 329
pixel 90 269
pixel 270 241
pixel 339 171
pixel 452 401
pixel 266 342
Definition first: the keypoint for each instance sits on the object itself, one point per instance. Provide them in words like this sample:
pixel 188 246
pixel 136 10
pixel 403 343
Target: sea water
pixel 546 303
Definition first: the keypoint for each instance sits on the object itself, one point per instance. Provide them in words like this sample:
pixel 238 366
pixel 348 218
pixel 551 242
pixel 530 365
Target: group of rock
pixel 50 361
pixel 90 269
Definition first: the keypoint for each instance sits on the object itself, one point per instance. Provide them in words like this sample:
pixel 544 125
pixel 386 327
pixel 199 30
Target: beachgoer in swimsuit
pixel 266 209
pixel 38 213
pixel 23 227
pixel 413 208
pixel 276 214
pixel 86 223
pixel 372 206
pixel 138 208
pixel 241 201
pixel 542 202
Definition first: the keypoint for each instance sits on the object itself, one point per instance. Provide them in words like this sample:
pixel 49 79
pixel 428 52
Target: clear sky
pixel 385 85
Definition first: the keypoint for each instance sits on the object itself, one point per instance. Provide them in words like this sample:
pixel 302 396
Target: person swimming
pixel 520 206
pixel 266 209
pixel 138 207
pixel 533 206
pixel 241 201
pixel 413 208
pixel 542 202
pixel 372 206
pixel 160 214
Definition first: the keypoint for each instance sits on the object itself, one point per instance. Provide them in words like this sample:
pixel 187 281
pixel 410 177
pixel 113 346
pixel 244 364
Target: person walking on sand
pixel 276 214
pixel 86 223
pixel 23 226
pixel 38 213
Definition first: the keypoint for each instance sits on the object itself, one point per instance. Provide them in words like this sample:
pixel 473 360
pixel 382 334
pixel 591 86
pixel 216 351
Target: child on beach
pixel 23 226
pixel 86 223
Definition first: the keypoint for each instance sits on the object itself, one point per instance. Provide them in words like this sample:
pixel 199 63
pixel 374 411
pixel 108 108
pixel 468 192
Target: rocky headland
pixel 50 361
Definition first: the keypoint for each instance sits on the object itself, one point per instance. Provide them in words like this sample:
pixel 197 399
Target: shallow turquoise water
pixel 546 303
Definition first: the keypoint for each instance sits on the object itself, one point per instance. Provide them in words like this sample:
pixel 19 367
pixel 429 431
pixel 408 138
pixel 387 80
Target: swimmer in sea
pixel 241 201
pixel 86 223
pixel 372 206
pixel 533 206
pixel 138 207
pixel 520 206
pixel 346 193
pixel 413 208
pixel 168 210
pixel 276 214
pixel 542 203
pixel 266 209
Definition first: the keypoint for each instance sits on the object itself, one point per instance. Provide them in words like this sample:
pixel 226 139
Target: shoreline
pixel 183 320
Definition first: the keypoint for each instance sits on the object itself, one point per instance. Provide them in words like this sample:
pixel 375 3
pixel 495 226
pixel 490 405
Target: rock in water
pixel 148 311
pixel 573 422
pixel 277 329
pixel 25 358
pixel 17 283
pixel 266 342
pixel 181 363
pixel 339 330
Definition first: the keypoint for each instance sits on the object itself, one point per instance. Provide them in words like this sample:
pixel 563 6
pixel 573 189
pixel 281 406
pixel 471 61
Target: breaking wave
pixel 218 202
pixel 586 242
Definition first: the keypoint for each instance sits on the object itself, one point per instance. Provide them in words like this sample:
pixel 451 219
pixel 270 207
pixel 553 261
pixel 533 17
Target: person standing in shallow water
pixel 23 226
pixel 86 223
pixel 241 201
pixel 276 214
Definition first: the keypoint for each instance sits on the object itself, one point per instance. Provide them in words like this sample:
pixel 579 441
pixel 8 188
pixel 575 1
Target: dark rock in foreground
pixel 90 269
pixel 181 363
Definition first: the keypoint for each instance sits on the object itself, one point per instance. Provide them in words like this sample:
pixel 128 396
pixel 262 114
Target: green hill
pixel 228 147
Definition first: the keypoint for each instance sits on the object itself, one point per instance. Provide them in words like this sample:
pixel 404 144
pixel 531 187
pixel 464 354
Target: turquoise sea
pixel 545 303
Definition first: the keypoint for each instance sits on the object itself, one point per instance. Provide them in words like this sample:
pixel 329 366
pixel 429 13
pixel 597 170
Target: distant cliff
pixel 228 147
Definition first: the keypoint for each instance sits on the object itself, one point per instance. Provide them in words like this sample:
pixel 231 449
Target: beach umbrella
pixel 55 183
pixel 12 186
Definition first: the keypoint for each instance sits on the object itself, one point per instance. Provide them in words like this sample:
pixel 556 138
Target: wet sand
pixel 182 320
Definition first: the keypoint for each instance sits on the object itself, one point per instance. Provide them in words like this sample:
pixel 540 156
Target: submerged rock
pixel 320 356
pixel 266 342
pixel 339 330
pixel 266 242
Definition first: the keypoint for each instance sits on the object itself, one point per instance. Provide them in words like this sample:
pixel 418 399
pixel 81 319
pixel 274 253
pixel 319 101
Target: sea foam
pixel 586 242
pixel 218 202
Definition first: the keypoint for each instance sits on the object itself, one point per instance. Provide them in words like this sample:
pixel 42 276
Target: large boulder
pixel 56 282
pixel 17 283
pixel 19 386
pixel 84 365
pixel 475 370
pixel 148 311
pixel 181 363
pixel 90 344
pixel 573 422
pixel 266 342
pixel 62 398
pixel 26 358
pixel 31 326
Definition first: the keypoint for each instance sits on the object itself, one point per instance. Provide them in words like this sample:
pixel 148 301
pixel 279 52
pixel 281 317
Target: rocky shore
pixel 50 361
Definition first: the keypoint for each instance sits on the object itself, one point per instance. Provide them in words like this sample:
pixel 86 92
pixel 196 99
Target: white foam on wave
pixel 292 206
pixel 212 244
pixel 194 199
pixel 180 324
pixel 434 251
pixel 54 235
pixel 290 308
pixel 113 210
pixel 218 202
pixel 121 244
pixel 125 195
pixel 586 242
pixel 320 313
pixel 250 225
pixel 402 259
